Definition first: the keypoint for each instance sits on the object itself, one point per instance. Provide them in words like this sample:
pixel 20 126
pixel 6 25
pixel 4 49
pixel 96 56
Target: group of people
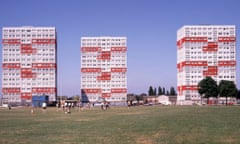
pixel 105 105
pixel 65 106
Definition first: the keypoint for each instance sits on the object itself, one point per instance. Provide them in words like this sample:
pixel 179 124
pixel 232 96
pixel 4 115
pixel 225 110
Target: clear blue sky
pixel 149 25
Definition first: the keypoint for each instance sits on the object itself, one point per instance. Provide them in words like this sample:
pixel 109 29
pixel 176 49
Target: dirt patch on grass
pixel 150 139
pixel 144 140
pixel 159 134
pixel 227 140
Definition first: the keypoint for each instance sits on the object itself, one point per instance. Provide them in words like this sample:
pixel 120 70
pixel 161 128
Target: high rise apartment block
pixel 204 50
pixel 29 63
pixel 103 69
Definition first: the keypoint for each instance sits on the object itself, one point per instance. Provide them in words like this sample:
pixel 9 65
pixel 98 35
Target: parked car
pixel 166 103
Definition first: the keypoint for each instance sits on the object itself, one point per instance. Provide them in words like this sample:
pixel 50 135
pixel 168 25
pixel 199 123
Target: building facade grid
pixel 204 50
pixel 103 69
pixel 29 63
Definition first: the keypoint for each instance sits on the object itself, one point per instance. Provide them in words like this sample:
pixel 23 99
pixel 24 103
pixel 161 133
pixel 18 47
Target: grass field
pixel 119 125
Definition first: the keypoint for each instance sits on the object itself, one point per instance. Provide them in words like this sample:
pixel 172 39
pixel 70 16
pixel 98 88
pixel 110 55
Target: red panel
pixel 11 41
pixel 187 87
pixel 211 71
pixel 11 65
pixel 190 39
pixel 90 49
pixel 105 55
pixel 11 90
pixel 27 96
pixel 44 41
pixel 179 89
pixel 180 67
pixel 211 47
pixel 106 73
pixel 106 95
pixel 180 42
pixel 27 73
pixel 88 70
pixel 191 63
pixel 44 90
pixel 119 90
pixel 26 46
pixel 196 39
pixel 118 49
pixel 27 49
pixel 44 65
pixel 104 76
pixel 91 90
pixel 227 63
pixel 195 63
pixel 30 51
pixel 226 39
pixel 118 69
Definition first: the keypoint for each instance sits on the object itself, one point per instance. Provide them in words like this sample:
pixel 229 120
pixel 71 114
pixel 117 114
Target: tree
pixel 155 91
pixel 62 98
pixel 208 87
pixel 143 94
pixel 227 89
pixel 167 93
pixel 172 91
pixel 75 97
pixel 159 90
pixel 150 91
pixel 130 97
pixel 163 91
pixel 138 98
pixel 238 94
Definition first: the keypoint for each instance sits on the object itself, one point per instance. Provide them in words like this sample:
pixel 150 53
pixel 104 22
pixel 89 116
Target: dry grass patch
pixel 144 140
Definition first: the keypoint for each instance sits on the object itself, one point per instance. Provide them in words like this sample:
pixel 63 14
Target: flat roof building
pixel 29 63
pixel 204 50
pixel 103 69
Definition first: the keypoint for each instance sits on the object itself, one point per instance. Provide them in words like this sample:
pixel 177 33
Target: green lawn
pixel 119 125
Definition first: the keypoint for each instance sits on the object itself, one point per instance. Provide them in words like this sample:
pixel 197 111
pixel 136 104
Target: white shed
pixel 163 100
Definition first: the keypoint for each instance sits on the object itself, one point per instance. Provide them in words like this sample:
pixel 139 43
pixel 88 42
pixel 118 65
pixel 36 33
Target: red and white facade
pixel 29 63
pixel 204 50
pixel 103 69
